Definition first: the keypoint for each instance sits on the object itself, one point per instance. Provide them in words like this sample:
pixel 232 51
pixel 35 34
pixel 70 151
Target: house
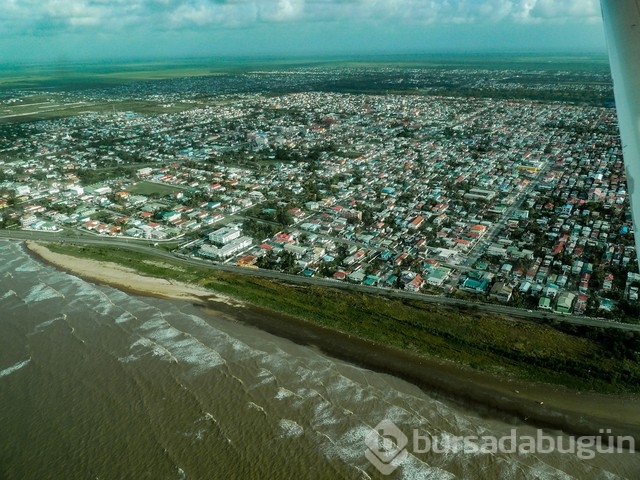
pixel 247 261
pixel 566 210
pixel 340 275
pixel 391 281
pixel 415 284
pixel 544 303
pixel 298 251
pixel 356 277
pixel 400 258
pixel 296 212
pixel 531 274
pixel 171 216
pixel 565 302
pixel 437 276
pixel 525 287
pixel 477 231
pixel 607 284
pixel 416 222
pixel 462 244
pixel 440 208
pixel 475 286
pixel 606 304
pixel 122 194
pixel 584 283
pixel 372 280
pixel 351 214
pixel 581 305
pixel 501 291
pixel 282 237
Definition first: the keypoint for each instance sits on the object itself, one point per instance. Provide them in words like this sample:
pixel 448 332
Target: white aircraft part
pixel 622 29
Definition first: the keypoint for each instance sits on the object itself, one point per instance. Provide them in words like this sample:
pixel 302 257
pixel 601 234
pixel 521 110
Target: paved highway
pixel 144 246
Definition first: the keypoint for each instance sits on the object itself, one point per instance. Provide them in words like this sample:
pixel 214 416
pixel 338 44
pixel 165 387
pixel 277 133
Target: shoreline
pixel 517 401
pixel 125 278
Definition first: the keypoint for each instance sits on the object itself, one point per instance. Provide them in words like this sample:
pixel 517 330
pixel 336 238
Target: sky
pixel 81 30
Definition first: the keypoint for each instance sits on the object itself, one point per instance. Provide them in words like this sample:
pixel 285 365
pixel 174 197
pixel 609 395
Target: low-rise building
pixel 565 302
pixel 224 235
pixel 227 250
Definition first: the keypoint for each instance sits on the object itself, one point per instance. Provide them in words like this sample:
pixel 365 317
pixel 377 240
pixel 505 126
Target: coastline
pixel 517 401
pixel 125 278
pixel 541 405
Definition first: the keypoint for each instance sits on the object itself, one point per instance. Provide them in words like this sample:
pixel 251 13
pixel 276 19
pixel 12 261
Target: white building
pixel 224 235
pixel 231 248
pixel 23 190
pixel 77 189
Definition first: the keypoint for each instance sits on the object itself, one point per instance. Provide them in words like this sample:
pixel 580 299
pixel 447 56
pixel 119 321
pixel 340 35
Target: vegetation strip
pixel 581 358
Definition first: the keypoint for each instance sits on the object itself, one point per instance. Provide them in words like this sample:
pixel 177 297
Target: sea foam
pixel 14 368
pixel 42 292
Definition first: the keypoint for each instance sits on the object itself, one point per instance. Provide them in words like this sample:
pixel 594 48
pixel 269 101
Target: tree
pixel 367 215
pixel 328 268
pixel 288 262
pixel 103 216
pixel 283 217
pixel 266 261
pixel 342 251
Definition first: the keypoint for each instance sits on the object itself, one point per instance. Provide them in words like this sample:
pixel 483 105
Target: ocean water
pixel 96 383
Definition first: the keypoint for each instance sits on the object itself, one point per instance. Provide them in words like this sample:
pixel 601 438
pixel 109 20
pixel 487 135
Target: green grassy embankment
pixel 581 358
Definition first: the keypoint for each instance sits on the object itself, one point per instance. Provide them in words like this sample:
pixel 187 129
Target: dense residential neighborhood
pixel 510 201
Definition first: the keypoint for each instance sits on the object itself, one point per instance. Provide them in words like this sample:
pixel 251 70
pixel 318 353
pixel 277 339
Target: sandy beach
pixel 126 278
pixel 574 412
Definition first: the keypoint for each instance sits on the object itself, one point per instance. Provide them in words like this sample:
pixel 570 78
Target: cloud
pixel 567 8
pixel 282 10
pixel 38 16
pixel 32 16
pixel 558 11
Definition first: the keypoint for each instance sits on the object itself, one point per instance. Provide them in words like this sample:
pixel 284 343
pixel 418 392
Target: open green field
pixel 96 75
pixel 43 107
pixel 70 76
pixel 582 358
pixel 148 188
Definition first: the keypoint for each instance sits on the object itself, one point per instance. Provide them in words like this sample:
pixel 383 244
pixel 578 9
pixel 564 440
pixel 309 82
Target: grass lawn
pixel 148 188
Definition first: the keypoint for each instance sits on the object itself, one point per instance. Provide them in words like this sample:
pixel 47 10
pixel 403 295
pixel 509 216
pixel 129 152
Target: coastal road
pixel 144 246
